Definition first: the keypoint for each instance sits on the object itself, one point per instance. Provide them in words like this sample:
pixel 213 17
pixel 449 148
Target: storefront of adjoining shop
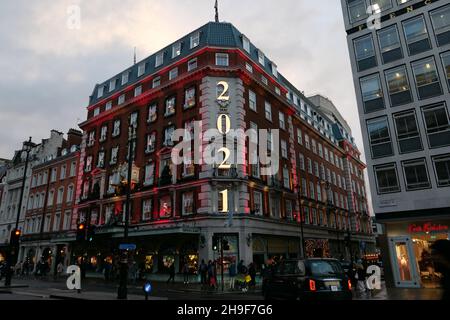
pixel 409 246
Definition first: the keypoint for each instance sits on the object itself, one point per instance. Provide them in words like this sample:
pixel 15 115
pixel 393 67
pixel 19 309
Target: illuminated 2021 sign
pixel 224 127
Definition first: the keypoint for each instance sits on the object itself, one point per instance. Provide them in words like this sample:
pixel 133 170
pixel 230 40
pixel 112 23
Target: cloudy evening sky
pixel 49 71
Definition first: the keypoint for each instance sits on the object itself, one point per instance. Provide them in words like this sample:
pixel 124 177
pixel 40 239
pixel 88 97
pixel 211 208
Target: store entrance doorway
pixel 404 263
pixel 430 278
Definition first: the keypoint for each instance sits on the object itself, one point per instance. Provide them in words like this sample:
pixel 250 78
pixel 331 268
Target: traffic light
pixel 215 243
pixel 90 233
pixel 225 245
pixel 81 232
pixel 15 237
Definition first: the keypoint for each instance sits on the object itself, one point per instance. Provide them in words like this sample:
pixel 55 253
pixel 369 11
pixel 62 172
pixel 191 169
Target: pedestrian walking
pixel 171 273
pixel 203 273
pixel 361 273
pixel 441 258
pixel 59 270
pixel 252 274
pixel 186 273
pixel 107 270
pixel 18 268
pixel 240 266
pixel 352 275
pixel 212 280
pixel 232 274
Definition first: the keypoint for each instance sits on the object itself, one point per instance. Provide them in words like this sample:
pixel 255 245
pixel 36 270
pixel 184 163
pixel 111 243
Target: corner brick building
pixel 177 209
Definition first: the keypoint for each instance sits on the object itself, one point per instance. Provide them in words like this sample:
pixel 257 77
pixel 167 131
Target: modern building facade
pixel 49 222
pixel 401 69
pixel 217 76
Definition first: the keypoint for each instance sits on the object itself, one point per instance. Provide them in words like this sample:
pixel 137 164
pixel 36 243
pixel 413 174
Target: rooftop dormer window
pixel 159 59
pixel 274 70
pixel 246 43
pixel 195 40
pixel 112 85
pixel 261 57
pixel 176 50
pixel 141 69
pixel 125 77
pixel 100 92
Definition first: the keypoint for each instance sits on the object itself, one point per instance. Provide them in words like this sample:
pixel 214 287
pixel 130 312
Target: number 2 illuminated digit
pixel 227 153
pixel 224 95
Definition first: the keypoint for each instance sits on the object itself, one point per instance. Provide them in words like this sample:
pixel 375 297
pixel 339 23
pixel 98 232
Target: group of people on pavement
pixel 26 268
pixel 208 274
pixel 244 276
pixel 357 274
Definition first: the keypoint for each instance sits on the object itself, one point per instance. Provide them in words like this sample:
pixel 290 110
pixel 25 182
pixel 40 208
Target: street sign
pixel 127 247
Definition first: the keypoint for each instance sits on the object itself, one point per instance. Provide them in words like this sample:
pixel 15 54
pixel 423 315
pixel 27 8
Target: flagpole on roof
pixel 217 10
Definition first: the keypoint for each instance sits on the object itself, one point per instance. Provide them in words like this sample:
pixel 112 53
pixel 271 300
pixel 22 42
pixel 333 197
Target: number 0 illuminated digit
pixel 220 124
pixel 224 194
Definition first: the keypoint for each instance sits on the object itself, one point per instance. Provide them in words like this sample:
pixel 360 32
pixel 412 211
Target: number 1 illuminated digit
pixel 224 194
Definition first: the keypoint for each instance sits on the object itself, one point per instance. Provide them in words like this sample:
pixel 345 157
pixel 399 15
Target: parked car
pixel 309 279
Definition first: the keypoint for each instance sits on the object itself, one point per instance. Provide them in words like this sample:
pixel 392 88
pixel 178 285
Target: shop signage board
pixel 427 227
pixel 127 247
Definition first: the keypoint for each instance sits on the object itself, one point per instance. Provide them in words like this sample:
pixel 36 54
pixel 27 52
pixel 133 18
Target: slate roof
pixel 212 34
pixel 219 34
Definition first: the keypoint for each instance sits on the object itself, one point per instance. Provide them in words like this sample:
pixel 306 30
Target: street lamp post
pixel 14 247
pixel 331 207
pixel 122 291
pixel 299 194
